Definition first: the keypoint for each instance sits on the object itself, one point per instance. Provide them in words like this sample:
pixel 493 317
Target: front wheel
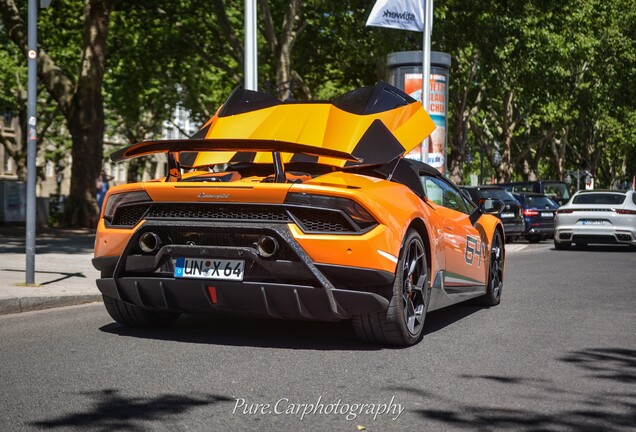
pixel 495 272
pixel 402 323
pixel 135 316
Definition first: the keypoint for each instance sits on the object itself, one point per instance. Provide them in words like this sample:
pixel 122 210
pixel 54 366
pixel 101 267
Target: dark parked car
pixel 554 189
pixel 538 213
pixel 511 216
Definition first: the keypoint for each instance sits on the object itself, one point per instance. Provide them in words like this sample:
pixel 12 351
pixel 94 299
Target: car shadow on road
pixel 108 409
pixel 441 318
pixel 232 330
pixel 581 408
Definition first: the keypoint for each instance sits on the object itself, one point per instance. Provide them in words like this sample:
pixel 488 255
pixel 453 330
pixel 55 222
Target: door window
pixel 442 193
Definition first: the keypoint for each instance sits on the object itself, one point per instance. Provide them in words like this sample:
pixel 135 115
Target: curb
pixel 28 304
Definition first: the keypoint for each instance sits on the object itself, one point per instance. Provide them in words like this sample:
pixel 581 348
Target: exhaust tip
pixel 149 242
pixel 267 246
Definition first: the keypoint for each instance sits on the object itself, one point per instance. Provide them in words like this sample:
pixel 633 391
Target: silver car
pixel 596 216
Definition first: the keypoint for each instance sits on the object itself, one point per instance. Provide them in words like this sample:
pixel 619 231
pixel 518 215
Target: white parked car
pixel 596 216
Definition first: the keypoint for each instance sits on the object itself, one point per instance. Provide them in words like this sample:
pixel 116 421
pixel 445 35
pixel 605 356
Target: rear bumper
pixel 270 300
pixel 598 235
pixel 514 228
pixel 288 286
pixel 535 226
pixel 540 231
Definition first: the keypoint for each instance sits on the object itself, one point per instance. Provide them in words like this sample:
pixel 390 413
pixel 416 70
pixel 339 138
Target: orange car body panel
pixel 318 125
pixel 457 244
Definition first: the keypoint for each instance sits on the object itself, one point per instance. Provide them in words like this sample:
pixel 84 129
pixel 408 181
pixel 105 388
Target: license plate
pixel 209 269
pixel 547 214
pixel 592 222
pixel 507 215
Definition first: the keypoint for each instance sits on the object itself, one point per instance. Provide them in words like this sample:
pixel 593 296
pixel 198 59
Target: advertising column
pixel 405 72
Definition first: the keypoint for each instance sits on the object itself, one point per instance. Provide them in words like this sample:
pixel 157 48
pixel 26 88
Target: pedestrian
pixel 102 187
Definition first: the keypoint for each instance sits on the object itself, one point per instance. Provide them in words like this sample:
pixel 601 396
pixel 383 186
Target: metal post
pixel 31 139
pixel 426 63
pixel 251 59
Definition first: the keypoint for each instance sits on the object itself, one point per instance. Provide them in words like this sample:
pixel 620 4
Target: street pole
pixel 426 64
pixel 251 59
pixel 32 65
pixel 578 180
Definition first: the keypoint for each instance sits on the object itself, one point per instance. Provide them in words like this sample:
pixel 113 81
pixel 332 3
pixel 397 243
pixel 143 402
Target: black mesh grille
pixel 218 212
pixel 314 220
pixel 182 236
pixel 311 219
pixel 129 215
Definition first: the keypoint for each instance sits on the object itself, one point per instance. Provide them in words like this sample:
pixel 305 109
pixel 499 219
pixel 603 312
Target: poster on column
pixel 437 111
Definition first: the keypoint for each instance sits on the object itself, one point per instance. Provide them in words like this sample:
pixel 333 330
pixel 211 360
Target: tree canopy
pixel 546 85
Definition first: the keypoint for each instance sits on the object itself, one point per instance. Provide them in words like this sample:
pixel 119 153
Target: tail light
pixel 628 212
pixel 116 200
pixel 360 216
pixel 530 212
pixel 562 211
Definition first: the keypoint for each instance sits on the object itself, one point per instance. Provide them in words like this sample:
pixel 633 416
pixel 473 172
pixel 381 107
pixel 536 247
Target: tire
pixel 403 321
pixel 561 246
pixel 135 316
pixel 534 239
pixel 495 273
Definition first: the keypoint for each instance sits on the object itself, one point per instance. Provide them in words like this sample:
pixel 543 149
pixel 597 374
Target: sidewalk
pixel 63 270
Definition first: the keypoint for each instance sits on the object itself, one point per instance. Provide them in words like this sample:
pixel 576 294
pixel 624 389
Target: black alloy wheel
pixel 403 322
pixel 495 272
pixel 413 269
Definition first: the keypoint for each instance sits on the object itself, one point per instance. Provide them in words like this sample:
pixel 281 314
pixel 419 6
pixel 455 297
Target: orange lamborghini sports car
pixel 299 211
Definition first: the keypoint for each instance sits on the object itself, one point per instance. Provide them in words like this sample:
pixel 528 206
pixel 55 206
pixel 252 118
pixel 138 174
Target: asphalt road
pixel 559 353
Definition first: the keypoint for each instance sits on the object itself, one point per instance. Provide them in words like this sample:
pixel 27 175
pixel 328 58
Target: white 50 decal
pixel 473 249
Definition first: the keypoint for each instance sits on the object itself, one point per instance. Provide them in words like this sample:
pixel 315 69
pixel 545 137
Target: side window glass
pixel 432 190
pixel 443 194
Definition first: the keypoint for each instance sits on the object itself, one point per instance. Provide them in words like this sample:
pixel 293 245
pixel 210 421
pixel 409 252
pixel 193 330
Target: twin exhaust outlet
pixel 266 246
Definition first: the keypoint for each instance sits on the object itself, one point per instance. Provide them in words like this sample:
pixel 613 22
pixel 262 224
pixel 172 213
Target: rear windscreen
pixel 499 194
pixel 599 198
pixel 556 191
pixel 540 201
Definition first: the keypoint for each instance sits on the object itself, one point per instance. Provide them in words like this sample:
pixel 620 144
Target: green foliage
pixel 550 85
pixel 552 90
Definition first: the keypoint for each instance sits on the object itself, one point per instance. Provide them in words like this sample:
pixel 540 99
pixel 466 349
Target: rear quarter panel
pixel 396 208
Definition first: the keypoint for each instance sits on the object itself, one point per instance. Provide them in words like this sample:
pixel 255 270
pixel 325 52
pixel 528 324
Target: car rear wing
pixel 182 153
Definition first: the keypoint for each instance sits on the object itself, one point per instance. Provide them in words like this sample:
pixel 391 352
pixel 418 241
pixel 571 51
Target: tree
pixel 79 99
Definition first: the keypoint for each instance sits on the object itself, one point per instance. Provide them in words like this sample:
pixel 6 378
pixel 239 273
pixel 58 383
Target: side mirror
pixel 492 206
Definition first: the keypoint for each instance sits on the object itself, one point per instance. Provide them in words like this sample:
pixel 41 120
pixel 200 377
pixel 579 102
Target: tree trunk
pixel 85 120
pixel 464 111
pixel 282 46
pixel 81 104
